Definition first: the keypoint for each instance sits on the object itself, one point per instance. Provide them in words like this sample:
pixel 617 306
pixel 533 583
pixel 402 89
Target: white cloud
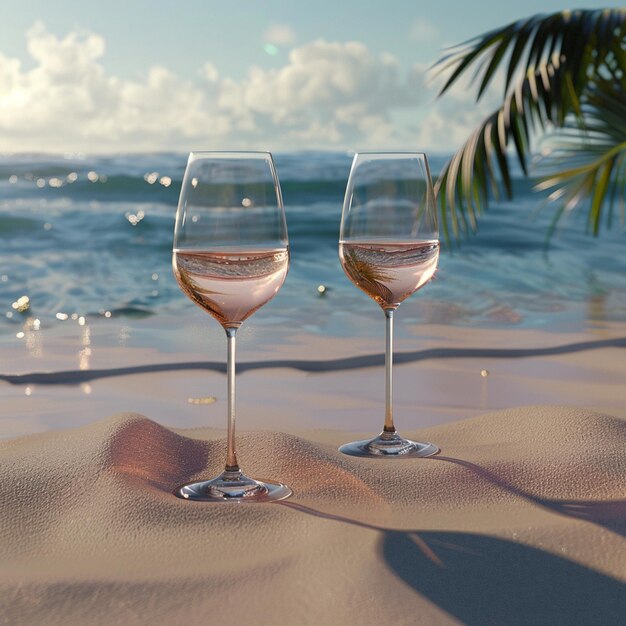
pixel 280 35
pixel 326 95
pixel 210 73
pixel 321 77
pixel 77 49
pixel 332 95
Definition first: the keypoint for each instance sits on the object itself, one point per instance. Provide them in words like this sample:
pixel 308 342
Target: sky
pixel 137 76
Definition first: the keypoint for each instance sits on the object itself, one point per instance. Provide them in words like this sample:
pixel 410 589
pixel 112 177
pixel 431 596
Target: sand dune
pixel 521 519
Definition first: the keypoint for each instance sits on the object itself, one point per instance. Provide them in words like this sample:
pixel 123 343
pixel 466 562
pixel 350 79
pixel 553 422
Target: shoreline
pixel 305 381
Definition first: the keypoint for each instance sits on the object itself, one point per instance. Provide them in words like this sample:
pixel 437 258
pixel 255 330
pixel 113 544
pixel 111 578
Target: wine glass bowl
pixel 230 257
pixel 389 248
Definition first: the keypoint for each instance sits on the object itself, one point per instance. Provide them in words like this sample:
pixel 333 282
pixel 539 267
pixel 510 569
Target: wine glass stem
pixel 389 427
pixel 231 457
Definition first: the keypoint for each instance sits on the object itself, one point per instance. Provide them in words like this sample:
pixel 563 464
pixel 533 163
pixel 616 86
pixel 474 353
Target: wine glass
pixel 231 256
pixel 389 248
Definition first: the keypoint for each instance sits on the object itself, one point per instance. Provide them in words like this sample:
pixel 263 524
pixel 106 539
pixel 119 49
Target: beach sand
pixel 520 520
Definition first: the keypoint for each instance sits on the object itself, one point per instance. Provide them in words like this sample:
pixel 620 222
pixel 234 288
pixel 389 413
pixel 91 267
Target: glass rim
pixel 391 153
pixel 226 154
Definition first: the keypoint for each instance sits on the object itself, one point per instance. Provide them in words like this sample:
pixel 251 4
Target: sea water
pixel 91 238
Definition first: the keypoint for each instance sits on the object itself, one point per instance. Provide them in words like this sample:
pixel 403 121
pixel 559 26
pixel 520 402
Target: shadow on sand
pixel 483 580
pixel 75 377
pixel 608 513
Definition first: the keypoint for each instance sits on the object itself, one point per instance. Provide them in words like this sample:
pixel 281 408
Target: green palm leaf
pixel 559 69
pixel 596 158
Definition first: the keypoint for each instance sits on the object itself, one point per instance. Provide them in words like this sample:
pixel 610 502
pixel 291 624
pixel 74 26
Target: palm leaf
pixel 567 33
pixel 597 157
pixel 489 143
pixel 555 65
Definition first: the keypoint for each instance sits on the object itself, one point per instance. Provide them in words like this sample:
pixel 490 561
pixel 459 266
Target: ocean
pixel 91 237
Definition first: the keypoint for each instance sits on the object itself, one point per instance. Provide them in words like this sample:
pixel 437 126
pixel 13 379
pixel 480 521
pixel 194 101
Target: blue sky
pixel 278 74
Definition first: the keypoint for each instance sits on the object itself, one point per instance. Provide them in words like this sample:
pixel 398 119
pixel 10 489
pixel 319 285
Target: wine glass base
pixel 233 486
pixel 389 445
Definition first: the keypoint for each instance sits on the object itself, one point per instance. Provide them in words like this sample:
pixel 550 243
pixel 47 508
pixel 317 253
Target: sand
pixel 520 520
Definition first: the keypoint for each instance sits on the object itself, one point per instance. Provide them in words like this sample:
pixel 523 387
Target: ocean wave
pixel 94 235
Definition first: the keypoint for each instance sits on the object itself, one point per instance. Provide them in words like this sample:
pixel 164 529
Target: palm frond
pixel 596 157
pixel 558 68
pixel 482 163
pixel 568 34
